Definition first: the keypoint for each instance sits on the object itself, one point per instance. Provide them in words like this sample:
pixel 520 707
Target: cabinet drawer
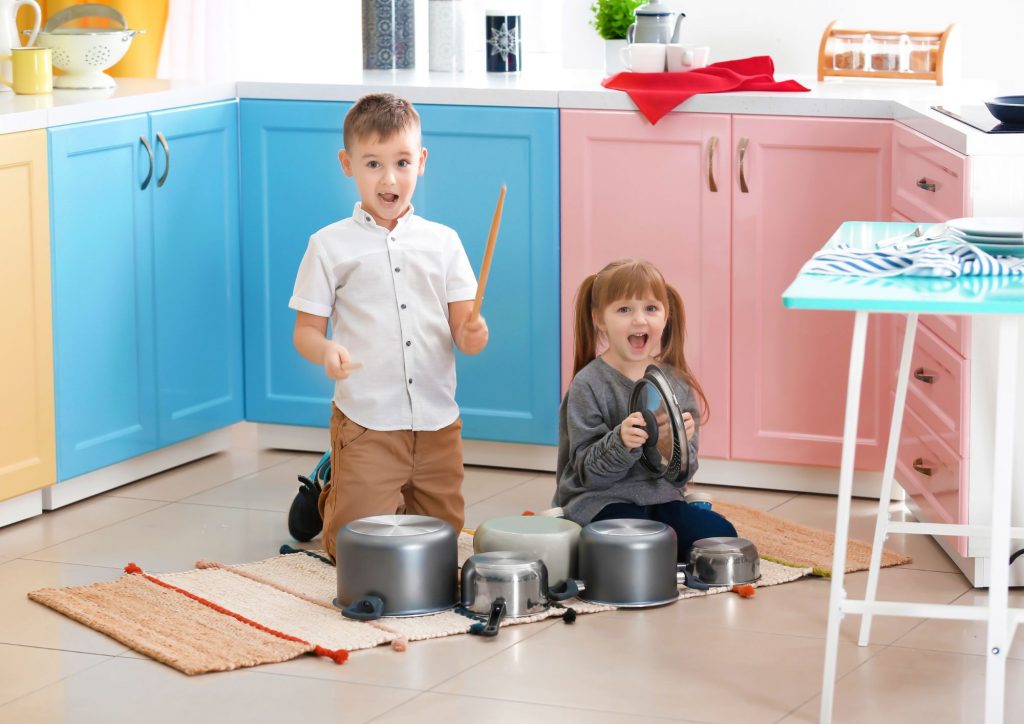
pixel 928 179
pixel 930 473
pixel 937 386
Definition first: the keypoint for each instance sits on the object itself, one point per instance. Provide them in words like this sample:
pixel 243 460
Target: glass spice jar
pixel 849 51
pixel 885 53
pixel 924 51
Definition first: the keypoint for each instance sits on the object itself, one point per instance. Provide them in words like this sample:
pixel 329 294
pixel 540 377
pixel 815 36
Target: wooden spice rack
pixel 925 56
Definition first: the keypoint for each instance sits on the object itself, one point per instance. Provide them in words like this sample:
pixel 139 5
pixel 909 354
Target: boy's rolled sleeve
pixel 460 281
pixel 314 289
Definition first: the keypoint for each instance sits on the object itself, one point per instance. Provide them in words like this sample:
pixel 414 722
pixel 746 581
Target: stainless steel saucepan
pixel 724 561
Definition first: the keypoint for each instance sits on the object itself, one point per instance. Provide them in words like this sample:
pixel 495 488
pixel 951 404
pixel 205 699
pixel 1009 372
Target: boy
pixel 398 289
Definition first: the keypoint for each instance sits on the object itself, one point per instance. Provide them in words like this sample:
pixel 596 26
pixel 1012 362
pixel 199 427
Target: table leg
pixel 999 552
pixel 885 496
pixel 836 591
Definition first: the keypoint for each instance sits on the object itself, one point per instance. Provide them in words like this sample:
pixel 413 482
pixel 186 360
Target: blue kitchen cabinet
pixel 293 185
pixel 147 340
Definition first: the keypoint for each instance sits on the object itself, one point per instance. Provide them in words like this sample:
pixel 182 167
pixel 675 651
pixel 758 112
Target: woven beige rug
pixel 799 545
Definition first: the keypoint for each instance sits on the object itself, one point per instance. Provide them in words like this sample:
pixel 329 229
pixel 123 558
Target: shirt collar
pixel 365 220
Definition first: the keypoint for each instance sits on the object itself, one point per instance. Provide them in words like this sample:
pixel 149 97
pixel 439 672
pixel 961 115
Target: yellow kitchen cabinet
pixel 27 457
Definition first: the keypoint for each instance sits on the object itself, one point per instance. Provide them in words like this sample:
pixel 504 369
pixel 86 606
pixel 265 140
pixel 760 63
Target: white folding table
pixel 910 296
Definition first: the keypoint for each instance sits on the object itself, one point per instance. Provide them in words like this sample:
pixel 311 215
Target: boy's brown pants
pixel 375 472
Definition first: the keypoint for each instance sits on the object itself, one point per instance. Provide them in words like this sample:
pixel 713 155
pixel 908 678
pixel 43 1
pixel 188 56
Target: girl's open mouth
pixel 388 198
pixel 638 341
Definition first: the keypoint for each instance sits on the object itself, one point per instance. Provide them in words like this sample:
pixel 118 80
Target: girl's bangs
pixel 632 280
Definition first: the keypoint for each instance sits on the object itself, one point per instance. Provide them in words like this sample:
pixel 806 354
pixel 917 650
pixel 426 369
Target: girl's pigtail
pixel 672 341
pixel 584 336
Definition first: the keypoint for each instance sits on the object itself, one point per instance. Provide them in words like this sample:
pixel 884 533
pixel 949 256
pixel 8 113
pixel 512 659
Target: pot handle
pixel 490 628
pixel 367 608
pixel 568 589
pixel 683 578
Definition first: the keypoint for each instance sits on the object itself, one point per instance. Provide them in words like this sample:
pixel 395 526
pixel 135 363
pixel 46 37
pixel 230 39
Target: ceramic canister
pixel 504 46
pixel 447 35
pixel 388 34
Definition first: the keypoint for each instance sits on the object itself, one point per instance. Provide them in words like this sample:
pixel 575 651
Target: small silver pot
pixel 507 583
pixel 396 565
pixel 628 562
pixel 724 561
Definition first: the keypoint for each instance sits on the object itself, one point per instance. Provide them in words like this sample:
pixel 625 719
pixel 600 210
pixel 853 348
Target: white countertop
pixel 905 101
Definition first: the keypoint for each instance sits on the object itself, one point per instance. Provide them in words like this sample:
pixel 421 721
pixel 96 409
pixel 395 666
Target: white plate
pixel 1001 249
pixel 1012 226
pixel 1000 240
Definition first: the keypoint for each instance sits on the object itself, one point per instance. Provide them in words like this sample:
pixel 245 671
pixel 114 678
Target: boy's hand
pixel 472 336
pixel 633 431
pixel 337 361
pixel 689 425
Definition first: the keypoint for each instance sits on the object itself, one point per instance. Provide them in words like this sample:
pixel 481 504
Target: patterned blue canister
pixel 389 34
pixel 504 47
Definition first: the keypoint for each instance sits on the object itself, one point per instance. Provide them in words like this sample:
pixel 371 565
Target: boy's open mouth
pixel 388 198
pixel 638 341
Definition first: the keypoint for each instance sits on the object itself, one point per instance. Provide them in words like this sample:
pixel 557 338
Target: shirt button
pixel 403 306
pixel 408 344
pixel 410 380
pixel 398 268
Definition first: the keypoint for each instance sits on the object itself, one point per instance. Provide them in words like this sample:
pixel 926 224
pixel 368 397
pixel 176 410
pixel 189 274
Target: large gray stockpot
pixel 628 562
pixel 396 565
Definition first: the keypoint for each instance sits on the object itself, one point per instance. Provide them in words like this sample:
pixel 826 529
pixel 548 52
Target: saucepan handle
pixel 568 589
pixel 498 610
pixel 683 578
pixel 367 608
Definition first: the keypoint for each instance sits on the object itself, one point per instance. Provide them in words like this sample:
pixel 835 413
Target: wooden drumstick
pixel 488 253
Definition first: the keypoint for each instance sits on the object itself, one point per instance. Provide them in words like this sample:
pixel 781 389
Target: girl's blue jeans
pixel 690 522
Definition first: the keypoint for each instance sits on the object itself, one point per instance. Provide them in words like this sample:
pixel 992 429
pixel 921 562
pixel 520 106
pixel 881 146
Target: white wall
pixel 321 34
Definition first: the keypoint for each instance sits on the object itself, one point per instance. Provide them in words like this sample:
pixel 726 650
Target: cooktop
pixel 979 117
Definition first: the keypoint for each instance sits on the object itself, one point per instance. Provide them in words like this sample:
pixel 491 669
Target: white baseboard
pixel 21 507
pixel 114 476
pixel 795 478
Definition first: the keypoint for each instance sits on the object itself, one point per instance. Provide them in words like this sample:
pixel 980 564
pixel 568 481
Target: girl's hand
pixel 337 361
pixel 689 425
pixel 633 431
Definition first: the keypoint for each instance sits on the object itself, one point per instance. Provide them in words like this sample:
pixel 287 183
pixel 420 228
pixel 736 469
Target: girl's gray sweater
pixel 594 468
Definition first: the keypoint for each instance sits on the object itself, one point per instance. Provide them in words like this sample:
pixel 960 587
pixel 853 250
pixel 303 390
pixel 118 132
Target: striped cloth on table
pixel 945 259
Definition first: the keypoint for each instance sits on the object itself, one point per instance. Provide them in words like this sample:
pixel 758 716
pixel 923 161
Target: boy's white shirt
pixel 359 275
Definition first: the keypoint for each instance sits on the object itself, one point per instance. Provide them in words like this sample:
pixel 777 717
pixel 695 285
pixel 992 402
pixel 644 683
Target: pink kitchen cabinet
pixel 795 181
pixel 663 193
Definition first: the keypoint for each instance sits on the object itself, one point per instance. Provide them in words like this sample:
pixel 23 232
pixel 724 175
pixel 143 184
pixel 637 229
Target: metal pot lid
pixel 725 544
pixel 503 559
pixel 396 525
pixel 665 453
pixel 653 7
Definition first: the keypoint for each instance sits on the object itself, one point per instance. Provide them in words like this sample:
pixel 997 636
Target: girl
pixel 640 317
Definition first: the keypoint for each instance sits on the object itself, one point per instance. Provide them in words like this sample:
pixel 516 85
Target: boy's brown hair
pixel 381 115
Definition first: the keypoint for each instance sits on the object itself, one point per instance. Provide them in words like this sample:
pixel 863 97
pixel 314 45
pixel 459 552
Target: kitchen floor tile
pixel 174 537
pixel 750 497
pixel 819 511
pixel 963 637
pixel 67 523
pixel 26 623
pixel 24 669
pixel 433 708
pixel 483 483
pixel 272 488
pixel 906 685
pixel 130 691
pixel 195 477
pixel 423 665
pixel 534 494
pixel 655 663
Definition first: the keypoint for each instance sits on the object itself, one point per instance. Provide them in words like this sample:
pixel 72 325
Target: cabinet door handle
pixel 167 154
pixel 926 185
pixel 712 145
pixel 742 155
pixel 920 374
pixel 149 176
pixel 920 467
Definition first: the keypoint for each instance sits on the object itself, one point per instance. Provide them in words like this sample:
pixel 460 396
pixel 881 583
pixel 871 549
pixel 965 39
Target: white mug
pixel 644 57
pixel 680 58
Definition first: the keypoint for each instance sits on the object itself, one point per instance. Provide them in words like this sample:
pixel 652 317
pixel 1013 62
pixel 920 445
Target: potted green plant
pixel 611 19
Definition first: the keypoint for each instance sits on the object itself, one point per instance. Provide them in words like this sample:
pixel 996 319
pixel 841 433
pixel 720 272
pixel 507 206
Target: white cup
pixel 644 57
pixel 680 58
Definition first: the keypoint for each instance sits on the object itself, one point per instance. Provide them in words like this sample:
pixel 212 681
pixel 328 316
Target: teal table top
pixel 924 295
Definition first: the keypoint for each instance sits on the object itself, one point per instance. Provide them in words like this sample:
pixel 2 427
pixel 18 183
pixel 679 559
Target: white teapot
pixel 9 31
pixel 655 23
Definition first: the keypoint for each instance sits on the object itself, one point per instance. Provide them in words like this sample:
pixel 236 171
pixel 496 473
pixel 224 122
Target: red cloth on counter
pixel 655 94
